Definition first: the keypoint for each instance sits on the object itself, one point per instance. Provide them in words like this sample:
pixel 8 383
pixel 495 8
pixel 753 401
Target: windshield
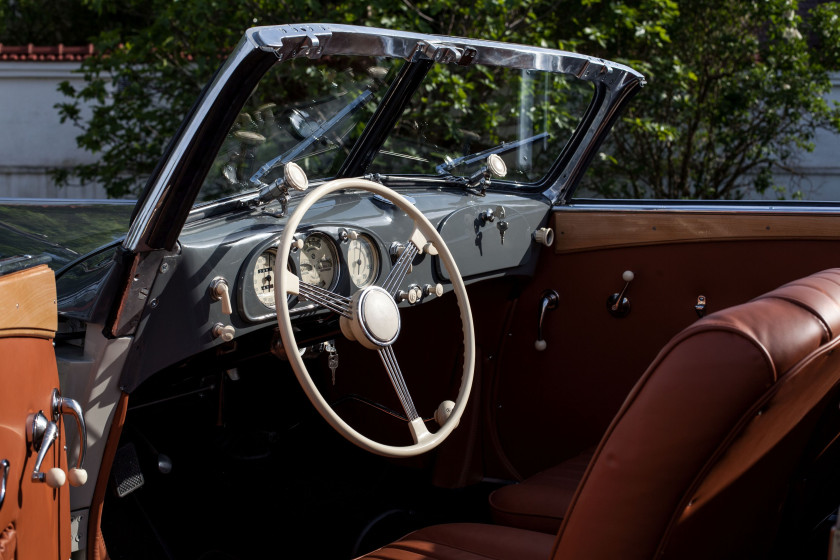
pixel 302 111
pixel 463 114
pixel 312 112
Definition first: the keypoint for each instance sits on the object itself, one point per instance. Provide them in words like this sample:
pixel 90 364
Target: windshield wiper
pixel 317 134
pixel 446 167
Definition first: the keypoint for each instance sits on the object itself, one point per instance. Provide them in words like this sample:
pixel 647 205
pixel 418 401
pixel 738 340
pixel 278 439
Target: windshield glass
pixel 312 112
pixel 463 114
pixel 302 111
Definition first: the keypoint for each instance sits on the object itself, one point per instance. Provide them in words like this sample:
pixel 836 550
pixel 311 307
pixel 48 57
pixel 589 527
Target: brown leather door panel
pixel 550 405
pixel 34 516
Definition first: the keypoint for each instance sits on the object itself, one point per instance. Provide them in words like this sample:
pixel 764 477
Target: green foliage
pixel 734 88
pixel 735 92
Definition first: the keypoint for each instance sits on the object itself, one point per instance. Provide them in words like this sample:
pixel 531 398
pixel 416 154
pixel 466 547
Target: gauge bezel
pixel 335 252
pixel 373 246
pixel 249 305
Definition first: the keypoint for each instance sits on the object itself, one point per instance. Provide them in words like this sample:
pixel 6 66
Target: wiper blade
pixel 504 147
pixel 317 134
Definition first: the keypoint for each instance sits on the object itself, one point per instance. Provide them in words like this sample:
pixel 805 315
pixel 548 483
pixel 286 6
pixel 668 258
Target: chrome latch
pixel 550 300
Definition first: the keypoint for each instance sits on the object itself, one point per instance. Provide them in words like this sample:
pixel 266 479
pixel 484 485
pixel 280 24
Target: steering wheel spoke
pixel 400 269
pixel 389 360
pixel 325 298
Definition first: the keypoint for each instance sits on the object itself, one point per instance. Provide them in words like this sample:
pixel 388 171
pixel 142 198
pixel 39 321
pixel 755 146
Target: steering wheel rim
pixel 287 282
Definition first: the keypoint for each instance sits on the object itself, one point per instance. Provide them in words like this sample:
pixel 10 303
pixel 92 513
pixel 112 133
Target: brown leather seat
pixel 539 502
pixel 696 464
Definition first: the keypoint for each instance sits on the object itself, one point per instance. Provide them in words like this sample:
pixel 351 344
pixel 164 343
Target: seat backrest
pixel 697 461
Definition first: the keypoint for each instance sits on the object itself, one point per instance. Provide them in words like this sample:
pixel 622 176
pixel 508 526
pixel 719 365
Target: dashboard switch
pixel 219 291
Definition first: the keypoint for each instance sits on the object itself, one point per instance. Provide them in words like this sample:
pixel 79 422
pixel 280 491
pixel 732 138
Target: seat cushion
pixel 467 541
pixel 539 502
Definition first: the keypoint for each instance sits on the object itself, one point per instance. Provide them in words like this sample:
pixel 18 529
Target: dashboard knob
pixel 433 289
pixel 225 332
pixel 544 236
pixel 410 296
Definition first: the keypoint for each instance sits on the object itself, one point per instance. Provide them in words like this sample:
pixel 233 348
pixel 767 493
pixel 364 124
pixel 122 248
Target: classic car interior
pixel 348 309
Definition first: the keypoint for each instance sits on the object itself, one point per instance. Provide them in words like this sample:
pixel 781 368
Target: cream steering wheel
pixel 371 317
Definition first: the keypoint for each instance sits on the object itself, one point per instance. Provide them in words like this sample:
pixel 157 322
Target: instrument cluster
pixel 335 259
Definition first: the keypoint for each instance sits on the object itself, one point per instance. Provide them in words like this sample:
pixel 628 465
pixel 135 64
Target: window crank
pixel 550 300
pixel 41 435
pixel 618 304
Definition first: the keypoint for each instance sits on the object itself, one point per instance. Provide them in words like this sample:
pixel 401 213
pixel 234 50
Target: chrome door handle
pixel 549 300
pixel 5 465
pixel 63 405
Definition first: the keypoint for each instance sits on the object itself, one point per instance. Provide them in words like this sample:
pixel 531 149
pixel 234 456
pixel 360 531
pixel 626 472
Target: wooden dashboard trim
pixel 28 303
pixel 588 230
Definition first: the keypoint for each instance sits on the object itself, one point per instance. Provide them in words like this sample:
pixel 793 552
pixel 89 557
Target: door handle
pixel 63 405
pixel 549 300
pixel 5 465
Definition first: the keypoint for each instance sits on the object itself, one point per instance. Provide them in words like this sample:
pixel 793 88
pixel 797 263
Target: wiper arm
pixel 502 148
pixel 317 134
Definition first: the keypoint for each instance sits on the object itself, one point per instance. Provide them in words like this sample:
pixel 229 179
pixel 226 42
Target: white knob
pixel 55 478
pixel 433 289
pixel 295 177
pixel 496 165
pixel 77 477
pixel 443 412
pixel 225 332
pixel 628 276
pixel 544 236
pixel 540 345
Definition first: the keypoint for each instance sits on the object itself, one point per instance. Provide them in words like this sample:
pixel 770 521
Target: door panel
pixel 35 515
pixel 554 403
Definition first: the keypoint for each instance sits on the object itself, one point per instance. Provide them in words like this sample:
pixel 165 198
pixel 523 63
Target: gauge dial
pixel 317 261
pixel 363 260
pixel 264 277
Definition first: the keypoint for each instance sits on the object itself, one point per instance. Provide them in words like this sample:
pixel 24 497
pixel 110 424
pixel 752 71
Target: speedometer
pixel 318 261
pixel 264 277
pixel 363 261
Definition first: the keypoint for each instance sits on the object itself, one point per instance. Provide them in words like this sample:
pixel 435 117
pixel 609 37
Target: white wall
pixel 32 140
pixel 821 168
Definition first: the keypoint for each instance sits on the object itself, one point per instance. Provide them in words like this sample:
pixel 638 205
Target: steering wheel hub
pixel 375 321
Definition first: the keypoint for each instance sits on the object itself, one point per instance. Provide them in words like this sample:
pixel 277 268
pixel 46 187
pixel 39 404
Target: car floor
pixel 251 475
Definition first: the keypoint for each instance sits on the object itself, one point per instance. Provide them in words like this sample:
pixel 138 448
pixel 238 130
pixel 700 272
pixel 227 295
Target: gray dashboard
pixel 182 318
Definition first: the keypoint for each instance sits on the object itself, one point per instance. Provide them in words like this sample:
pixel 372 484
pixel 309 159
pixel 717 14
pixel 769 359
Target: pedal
pixel 126 473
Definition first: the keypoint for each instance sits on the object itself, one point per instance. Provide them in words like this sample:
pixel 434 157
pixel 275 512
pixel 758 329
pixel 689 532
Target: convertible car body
pixel 358 295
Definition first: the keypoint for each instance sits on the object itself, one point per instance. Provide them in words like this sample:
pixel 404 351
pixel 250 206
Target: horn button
pixel 376 318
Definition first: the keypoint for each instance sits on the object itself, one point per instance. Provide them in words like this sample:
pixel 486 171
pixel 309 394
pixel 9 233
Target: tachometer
pixel 363 260
pixel 318 261
pixel 264 277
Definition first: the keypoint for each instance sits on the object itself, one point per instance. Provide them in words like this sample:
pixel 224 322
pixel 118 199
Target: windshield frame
pixel 173 188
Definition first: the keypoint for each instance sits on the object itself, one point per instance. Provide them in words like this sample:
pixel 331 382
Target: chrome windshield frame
pixel 166 202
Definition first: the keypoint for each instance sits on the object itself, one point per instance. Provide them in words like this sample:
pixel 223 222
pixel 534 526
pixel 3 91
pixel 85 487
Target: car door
pixel 34 514
pixel 553 403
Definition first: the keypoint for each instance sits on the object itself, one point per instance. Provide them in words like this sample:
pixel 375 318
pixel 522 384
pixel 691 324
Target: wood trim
pixel 587 230
pixel 28 303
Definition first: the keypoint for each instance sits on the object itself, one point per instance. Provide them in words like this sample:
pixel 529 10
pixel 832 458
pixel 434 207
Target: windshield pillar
pixel 383 120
